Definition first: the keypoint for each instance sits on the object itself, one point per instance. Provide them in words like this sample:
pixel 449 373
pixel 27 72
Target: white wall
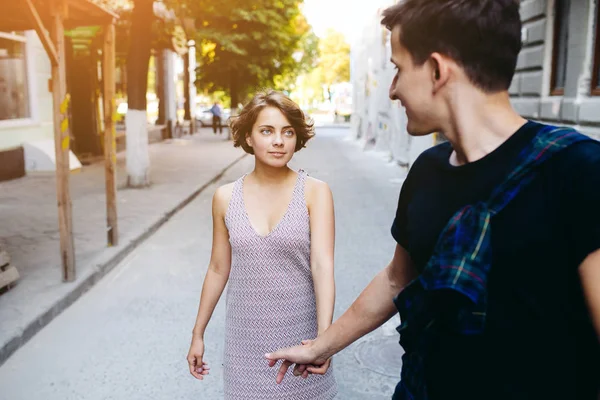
pixel 376 120
pixel 39 125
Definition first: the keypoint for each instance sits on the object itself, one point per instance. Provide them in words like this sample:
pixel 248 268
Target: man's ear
pixel 440 70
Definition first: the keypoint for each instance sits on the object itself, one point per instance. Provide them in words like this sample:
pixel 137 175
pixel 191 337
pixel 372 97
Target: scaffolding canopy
pixel 15 14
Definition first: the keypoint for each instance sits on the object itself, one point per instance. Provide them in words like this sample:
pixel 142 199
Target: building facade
pixel 378 122
pixel 26 108
pixel 25 98
pixel 557 80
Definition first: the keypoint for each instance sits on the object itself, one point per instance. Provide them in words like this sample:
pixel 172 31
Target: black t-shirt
pixel 539 342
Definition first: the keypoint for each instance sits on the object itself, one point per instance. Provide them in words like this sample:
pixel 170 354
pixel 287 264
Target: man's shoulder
pixel 580 156
pixel 430 159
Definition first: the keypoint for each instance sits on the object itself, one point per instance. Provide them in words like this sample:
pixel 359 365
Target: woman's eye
pixel 265 131
pixel 289 133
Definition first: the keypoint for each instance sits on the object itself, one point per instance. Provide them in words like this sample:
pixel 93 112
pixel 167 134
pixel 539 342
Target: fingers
pixel 299 369
pixel 272 363
pixel 317 370
pixel 282 370
pixel 198 371
pixel 191 364
pixel 203 370
pixel 276 355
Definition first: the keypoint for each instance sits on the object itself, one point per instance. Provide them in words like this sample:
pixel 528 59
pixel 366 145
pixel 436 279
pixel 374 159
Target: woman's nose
pixel 277 139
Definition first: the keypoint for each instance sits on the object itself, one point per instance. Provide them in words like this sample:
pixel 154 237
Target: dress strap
pixel 299 190
pixel 237 196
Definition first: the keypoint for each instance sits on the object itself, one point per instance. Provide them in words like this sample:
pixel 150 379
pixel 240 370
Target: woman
pixel 273 241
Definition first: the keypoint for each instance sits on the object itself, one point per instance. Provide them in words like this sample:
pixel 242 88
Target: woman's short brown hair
pixel 241 125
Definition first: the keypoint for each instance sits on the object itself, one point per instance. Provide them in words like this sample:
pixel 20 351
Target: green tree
pixel 303 60
pixel 334 59
pixel 244 45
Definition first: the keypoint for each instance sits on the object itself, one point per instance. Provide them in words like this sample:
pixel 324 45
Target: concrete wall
pixel 39 125
pixel 530 89
pixel 378 122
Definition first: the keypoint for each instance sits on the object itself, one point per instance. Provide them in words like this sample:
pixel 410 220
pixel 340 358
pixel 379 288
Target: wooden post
pixel 61 142
pixel 110 145
pixel 34 17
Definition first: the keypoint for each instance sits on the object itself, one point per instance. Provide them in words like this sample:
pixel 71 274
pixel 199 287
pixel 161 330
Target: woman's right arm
pixel 215 280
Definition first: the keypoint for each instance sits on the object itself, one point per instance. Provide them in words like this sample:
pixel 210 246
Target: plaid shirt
pixel 451 292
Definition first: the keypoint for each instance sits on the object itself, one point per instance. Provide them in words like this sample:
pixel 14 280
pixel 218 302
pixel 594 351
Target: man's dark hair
pixel 483 36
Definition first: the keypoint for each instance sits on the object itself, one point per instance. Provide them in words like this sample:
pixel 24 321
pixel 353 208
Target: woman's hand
pixel 198 368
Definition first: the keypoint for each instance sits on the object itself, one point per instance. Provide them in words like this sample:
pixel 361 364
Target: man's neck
pixel 479 124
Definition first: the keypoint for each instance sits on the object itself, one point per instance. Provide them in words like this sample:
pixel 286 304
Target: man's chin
pixel 417 131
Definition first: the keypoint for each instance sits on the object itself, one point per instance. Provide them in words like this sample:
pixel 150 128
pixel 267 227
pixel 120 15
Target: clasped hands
pixel 306 356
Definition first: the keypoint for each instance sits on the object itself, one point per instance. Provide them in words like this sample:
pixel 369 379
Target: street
pixel 128 337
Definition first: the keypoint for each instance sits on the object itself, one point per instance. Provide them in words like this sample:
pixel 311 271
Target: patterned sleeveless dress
pixel 270 303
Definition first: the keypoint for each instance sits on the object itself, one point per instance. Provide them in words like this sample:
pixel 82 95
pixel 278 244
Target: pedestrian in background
pixel 217 114
pixel 273 243
pixel 496 272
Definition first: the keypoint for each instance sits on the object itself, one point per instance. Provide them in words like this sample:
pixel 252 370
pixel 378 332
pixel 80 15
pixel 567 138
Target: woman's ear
pixel 248 140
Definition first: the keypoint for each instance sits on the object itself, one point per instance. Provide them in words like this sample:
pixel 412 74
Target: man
pixel 216 120
pixel 500 226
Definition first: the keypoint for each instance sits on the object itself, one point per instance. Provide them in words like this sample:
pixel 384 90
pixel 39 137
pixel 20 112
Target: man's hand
pixel 304 370
pixel 373 307
pixel 305 356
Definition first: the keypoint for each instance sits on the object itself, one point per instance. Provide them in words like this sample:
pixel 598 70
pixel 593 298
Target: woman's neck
pixel 270 176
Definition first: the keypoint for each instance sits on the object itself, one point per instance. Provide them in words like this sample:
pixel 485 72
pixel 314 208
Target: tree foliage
pixel 246 45
pixel 241 45
pixel 334 58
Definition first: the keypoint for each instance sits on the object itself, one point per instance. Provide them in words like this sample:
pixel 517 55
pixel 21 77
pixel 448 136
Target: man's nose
pixel 391 91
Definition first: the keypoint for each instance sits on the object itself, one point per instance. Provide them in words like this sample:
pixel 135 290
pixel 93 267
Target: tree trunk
pixel 186 88
pixel 160 87
pixel 138 159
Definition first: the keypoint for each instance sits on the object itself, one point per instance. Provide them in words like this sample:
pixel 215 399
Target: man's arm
pixel 589 271
pixel 370 310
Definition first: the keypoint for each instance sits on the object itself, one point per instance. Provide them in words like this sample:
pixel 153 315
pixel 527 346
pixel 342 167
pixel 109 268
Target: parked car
pixel 204 116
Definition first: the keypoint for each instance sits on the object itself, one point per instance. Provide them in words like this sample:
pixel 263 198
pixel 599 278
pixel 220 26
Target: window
pixel 596 72
pixel 561 39
pixel 14 97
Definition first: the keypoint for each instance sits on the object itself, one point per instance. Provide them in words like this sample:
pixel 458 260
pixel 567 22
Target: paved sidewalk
pixel 180 169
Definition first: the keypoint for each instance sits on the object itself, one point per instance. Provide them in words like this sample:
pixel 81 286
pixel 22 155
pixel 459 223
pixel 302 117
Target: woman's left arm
pixel 322 227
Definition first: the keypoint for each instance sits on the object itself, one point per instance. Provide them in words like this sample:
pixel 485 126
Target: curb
pixel 99 272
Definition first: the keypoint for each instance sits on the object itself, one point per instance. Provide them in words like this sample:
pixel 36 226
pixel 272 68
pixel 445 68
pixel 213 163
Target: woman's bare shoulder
pixel 316 190
pixel 222 197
